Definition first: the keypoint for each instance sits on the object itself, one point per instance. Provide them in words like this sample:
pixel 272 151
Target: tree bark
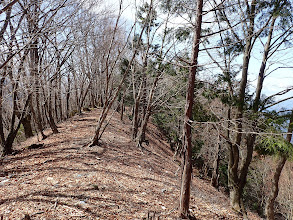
pixel 34 66
pixel 269 210
pixel 68 95
pixel 27 126
pixel 187 163
pixel 237 176
pixel 109 100
pixel 215 174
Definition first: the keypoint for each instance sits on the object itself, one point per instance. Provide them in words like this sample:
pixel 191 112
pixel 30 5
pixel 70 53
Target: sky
pixel 277 81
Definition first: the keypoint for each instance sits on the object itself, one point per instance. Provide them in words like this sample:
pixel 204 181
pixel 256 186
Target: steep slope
pixel 65 180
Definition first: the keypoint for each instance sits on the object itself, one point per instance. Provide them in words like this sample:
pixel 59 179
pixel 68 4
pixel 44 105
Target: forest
pixel 215 77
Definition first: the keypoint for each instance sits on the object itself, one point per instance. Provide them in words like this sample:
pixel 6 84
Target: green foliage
pixel 124 65
pixel 182 33
pixel 20 134
pixel 179 6
pixel 165 123
pixel 275 145
pixel 232 45
pixel 197 145
pixel 254 193
pixel 282 9
pixel 144 19
pixel 200 114
pixel 168 68
pixel 223 175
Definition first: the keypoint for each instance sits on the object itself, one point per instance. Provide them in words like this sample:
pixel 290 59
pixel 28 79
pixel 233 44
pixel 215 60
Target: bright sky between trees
pixel 279 68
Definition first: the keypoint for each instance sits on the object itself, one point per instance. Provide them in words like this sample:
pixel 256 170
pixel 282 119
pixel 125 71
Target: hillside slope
pixel 65 180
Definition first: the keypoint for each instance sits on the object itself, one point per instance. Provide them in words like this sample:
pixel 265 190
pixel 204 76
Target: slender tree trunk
pixel 2 136
pixel 145 120
pixel 187 163
pixel 50 119
pixel 68 96
pixel 142 131
pixel 59 97
pixel 122 108
pixel 37 119
pixel 136 98
pixel 215 174
pixel 109 100
pixel 135 119
pixel 269 210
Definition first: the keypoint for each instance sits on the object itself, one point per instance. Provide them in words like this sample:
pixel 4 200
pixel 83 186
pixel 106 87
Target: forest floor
pixel 64 179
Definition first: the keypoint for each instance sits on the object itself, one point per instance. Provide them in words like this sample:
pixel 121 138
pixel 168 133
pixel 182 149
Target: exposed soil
pixel 64 179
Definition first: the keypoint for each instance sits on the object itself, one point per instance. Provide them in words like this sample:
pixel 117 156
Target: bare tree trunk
pixel 2 136
pixel 187 163
pixel 34 65
pixel 215 174
pixel 142 131
pixel 135 112
pixel 141 135
pixel 113 94
pixel 68 96
pixel 50 119
pixel 237 176
pixel 27 126
pixel 269 210
pixel 122 107
pixel 37 119
pixel 48 109
pixel 59 97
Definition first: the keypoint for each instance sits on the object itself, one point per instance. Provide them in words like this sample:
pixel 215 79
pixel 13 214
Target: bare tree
pixel 187 148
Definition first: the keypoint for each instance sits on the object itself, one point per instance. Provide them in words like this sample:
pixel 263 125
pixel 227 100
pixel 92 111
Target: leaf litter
pixel 64 179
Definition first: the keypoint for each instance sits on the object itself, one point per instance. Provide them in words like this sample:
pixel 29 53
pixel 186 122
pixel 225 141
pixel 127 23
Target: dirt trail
pixel 65 180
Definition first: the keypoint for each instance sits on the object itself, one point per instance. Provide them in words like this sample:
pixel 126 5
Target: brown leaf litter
pixel 66 180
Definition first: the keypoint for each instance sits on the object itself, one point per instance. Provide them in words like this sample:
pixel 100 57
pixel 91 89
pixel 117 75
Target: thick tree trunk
pixel 142 131
pixel 236 175
pixel 36 119
pixel 34 66
pixel 8 142
pixel 7 148
pixel 27 126
pixel 50 118
pixel 187 163
pixel 239 175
